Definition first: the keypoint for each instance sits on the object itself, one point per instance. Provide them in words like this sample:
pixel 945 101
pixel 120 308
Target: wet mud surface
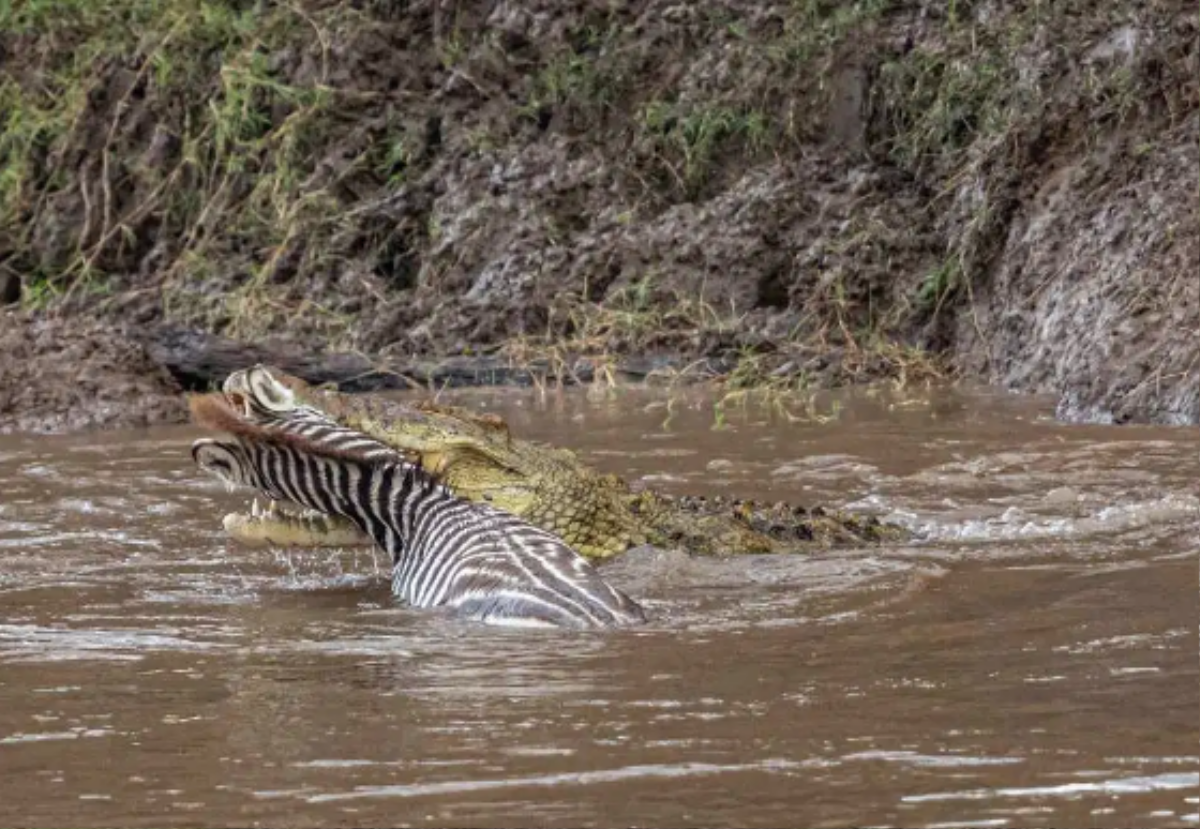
pixel 1030 661
pixel 68 375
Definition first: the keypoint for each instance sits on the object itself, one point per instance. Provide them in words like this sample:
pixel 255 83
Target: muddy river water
pixel 1032 660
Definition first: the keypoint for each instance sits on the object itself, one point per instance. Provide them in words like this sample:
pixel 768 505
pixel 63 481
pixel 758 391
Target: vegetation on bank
pixel 317 169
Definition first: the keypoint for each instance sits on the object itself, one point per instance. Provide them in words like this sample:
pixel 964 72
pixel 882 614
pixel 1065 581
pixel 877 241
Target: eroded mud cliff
pixel 806 192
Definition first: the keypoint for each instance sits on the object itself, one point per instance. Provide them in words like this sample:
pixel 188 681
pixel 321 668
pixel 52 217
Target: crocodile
pixel 598 514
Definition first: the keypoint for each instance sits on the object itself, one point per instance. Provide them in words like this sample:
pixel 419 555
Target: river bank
pixel 786 196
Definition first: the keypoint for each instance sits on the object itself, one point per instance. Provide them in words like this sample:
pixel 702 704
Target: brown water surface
pixel 1031 662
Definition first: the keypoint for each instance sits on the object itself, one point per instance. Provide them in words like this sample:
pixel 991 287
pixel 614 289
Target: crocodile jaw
pixel 283 526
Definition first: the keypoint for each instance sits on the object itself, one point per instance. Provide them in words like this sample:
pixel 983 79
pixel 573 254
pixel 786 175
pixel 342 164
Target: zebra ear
pixel 269 392
pixel 221 460
pixel 237 392
pixel 235 382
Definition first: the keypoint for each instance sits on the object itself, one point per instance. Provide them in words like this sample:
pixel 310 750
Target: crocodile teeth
pixel 284 511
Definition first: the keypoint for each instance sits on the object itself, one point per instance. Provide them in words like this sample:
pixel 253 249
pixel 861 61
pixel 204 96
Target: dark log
pixel 201 361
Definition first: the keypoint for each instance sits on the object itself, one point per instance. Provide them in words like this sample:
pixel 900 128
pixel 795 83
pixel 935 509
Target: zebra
pixel 479 562
pixel 266 401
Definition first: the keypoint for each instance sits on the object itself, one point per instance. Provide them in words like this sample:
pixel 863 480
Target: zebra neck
pixel 423 498
pixel 390 501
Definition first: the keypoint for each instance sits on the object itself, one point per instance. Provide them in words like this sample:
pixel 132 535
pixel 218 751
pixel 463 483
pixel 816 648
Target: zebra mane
pixel 214 411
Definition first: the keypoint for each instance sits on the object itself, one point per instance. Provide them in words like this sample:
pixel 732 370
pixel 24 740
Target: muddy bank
pixel 65 374
pixel 60 375
pixel 1096 292
pixel 792 195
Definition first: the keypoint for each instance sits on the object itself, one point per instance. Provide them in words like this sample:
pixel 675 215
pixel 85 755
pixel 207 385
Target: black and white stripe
pixel 479 561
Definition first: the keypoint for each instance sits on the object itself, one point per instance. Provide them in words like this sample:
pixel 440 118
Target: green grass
pixel 688 141
pixel 817 27
pixel 939 285
pixel 580 85
pixel 937 104
pixel 244 178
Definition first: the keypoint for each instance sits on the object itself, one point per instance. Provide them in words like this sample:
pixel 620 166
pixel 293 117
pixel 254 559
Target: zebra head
pixel 231 463
pixel 260 396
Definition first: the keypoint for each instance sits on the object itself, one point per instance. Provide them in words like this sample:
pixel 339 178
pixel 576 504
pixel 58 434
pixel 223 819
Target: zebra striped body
pixel 481 562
